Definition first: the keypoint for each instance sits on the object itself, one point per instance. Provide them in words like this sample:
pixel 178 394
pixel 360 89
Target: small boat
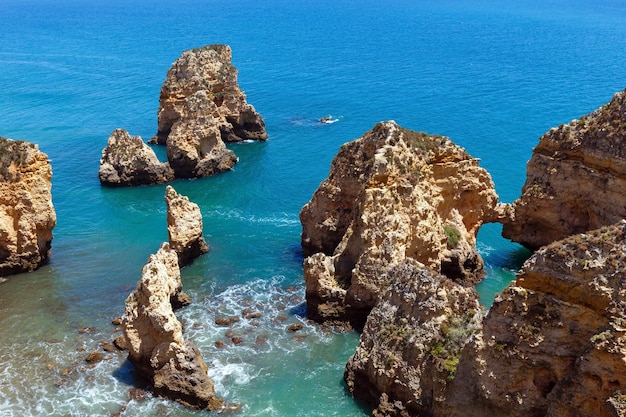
pixel 328 120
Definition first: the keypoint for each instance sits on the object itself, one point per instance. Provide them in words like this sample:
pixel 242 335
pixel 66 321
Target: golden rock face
pixel 553 341
pixel 27 215
pixel 210 70
pixel 154 336
pixel 393 194
pixel 575 180
pixel 184 227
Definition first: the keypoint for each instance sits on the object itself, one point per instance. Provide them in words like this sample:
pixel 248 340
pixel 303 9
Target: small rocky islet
pixel 389 240
pixel 201 108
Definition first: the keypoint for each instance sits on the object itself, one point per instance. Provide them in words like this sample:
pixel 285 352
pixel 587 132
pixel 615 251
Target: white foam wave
pixel 279 219
pixel 53 378
pixel 267 330
pixel 225 375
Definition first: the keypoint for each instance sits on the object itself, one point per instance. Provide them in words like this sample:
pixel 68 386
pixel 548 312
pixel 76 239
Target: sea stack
pixel 154 336
pixel 208 69
pixel 27 215
pixel 201 108
pixel 184 227
pixel 128 161
pixel 194 145
pixel 575 180
pixel 392 194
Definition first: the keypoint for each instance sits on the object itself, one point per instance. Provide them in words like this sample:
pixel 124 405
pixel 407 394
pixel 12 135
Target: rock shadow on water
pixel 299 310
pixel 128 374
pixel 297 254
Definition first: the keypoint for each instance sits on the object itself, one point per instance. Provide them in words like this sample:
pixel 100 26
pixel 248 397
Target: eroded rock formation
pixel 554 342
pixel 201 108
pixel 412 341
pixel 27 215
pixel 184 227
pixel 155 337
pixel 575 180
pixel 194 145
pixel 128 161
pixel 390 195
pixel 208 69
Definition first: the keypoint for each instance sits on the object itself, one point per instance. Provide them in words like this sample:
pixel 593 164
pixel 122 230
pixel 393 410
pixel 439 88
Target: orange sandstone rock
pixel 27 215
pixel 391 195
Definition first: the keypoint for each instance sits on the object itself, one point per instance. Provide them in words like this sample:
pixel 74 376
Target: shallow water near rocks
pixel 492 77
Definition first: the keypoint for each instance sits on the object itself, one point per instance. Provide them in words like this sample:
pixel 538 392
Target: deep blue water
pixel 491 76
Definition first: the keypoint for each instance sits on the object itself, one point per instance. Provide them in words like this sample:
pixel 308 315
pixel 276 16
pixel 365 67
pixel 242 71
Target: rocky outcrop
pixel 208 69
pixel 554 342
pixel 155 341
pixel 27 215
pixel 201 108
pixel 393 194
pixel 184 227
pixel 576 179
pixel 194 145
pixel 128 161
pixel 412 341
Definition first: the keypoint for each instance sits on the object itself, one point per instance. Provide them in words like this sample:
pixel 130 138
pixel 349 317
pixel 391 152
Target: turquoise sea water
pixel 491 76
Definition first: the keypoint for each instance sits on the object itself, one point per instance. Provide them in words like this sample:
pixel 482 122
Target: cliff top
pixel 15 155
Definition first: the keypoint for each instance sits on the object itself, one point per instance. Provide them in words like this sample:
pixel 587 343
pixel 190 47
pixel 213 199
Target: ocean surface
pixel 491 75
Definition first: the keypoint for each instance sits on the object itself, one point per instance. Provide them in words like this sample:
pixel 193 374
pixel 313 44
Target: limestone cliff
pixel 412 341
pixel 184 227
pixel 575 180
pixel 208 69
pixel 27 215
pixel 155 337
pixel 554 342
pixel 390 195
pixel 128 161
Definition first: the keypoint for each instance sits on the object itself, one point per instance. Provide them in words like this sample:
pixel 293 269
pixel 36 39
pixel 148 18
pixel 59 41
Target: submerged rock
pixel 155 340
pixel 412 341
pixel 27 215
pixel 128 161
pixel 208 69
pixel 184 227
pixel 393 194
pixel 575 180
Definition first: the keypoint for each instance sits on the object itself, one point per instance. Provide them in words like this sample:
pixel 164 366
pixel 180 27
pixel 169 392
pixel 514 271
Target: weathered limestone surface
pixel 128 161
pixel 201 108
pixel 27 215
pixel 554 342
pixel 390 195
pixel 194 145
pixel 575 180
pixel 208 69
pixel 412 341
pixel 155 337
pixel 184 227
